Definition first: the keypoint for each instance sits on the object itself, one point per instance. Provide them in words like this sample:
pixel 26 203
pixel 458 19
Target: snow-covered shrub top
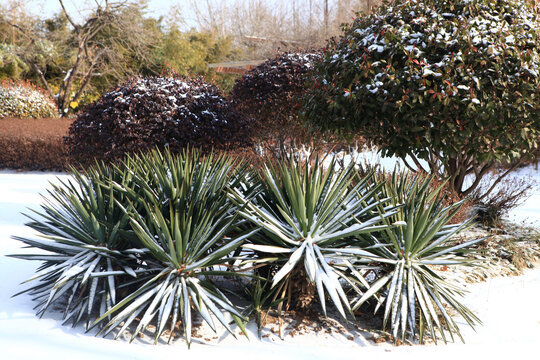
pixel 275 82
pixel 24 100
pixel 157 111
pixel 439 38
pixel 431 73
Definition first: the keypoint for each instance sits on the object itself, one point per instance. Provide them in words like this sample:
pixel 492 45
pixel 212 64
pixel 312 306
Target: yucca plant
pixel 308 215
pixel 260 299
pixel 88 243
pixel 413 293
pixel 190 229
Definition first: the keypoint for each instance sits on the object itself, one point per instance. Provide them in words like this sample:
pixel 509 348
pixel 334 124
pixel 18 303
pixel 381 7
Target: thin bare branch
pixel 409 166
pixel 479 174
pixel 417 162
pixel 499 178
pixel 68 17
pixel 86 80
pixel 41 77
pixel 23 31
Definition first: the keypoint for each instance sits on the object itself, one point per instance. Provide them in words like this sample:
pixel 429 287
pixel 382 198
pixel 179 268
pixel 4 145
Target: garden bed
pixel 313 337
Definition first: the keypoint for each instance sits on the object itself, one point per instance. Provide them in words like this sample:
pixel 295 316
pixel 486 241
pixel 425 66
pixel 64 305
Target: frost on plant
pixel 171 112
pixel 454 83
pixel 20 99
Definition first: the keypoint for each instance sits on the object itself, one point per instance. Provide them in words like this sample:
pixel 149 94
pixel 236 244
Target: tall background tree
pixel 67 54
pixel 77 56
pixel 262 27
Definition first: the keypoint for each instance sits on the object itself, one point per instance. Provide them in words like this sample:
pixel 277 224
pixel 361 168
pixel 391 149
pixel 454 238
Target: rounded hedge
pixel 142 113
pixel 272 92
pixel 436 77
pixel 275 82
pixel 24 100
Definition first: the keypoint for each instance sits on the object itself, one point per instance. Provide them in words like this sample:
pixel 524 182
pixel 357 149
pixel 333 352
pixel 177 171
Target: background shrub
pixel 453 83
pixel 171 112
pixel 11 65
pixel 22 99
pixel 271 93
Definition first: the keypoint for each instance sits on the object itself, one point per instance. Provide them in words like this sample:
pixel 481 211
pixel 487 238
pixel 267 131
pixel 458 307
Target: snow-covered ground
pixel 508 307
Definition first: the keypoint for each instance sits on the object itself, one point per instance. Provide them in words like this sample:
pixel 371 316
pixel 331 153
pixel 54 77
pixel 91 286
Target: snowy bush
pixel 271 93
pixel 115 242
pixel 24 100
pixel 454 83
pixel 142 113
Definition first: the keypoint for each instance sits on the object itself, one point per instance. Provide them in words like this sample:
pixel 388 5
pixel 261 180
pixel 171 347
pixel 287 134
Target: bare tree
pixel 266 26
pixel 105 14
pixel 98 45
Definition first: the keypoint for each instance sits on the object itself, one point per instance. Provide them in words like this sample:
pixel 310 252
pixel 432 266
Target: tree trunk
pixel 63 99
pixel 304 292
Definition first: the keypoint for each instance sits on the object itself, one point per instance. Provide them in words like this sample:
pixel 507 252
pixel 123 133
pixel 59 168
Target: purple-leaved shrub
pixel 143 113
pixel 271 94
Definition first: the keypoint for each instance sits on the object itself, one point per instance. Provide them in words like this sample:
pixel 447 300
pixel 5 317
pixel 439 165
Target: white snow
pixel 428 72
pixel 528 212
pixel 508 307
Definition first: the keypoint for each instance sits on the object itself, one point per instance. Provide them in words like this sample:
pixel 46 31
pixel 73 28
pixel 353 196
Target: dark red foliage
pixel 143 113
pixel 272 93
pixel 275 82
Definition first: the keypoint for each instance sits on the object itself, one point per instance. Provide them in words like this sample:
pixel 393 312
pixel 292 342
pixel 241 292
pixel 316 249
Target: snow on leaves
pixel 403 32
pixel 435 77
pixel 20 99
pixel 172 112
